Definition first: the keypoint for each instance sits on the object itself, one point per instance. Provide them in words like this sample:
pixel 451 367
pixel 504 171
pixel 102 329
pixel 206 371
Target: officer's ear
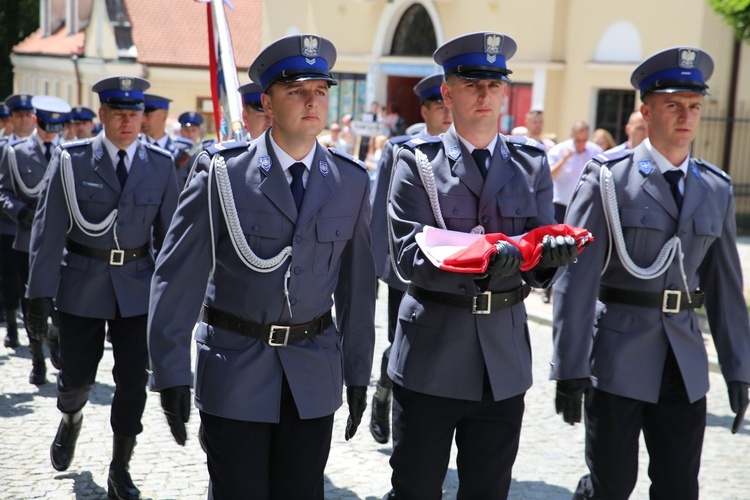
pixel 445 90
pixel 265 99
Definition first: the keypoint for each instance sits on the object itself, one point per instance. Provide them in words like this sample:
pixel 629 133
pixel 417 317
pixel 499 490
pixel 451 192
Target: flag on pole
pixel 223 71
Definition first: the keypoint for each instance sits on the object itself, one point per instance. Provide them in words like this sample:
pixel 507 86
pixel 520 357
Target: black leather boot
pixel 119 484
pixel 64 446
pixel 380 426
pixel 11 339
pixel 38 374
pixel 53 343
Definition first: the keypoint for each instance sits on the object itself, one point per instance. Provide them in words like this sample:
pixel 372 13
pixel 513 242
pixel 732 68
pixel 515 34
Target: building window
pixel 348 97
pixel 613 108
pixel 415 34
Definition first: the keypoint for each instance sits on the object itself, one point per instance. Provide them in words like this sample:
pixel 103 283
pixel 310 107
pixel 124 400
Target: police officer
pixel 437 118
pixel 21 172
pixel 624 318
pixel 83 121
pixel 104 210
pixel 21 116
pixel 11 288
pixel 191 126
pixel 153 131
pixel 255 118
pixel 461 359
pixel 286 235
pixel 5 127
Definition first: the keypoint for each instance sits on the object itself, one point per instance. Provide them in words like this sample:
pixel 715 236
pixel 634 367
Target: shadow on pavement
pixel 725 421
pixel 84 486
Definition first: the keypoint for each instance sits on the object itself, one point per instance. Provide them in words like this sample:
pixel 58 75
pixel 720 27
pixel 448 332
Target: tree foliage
pixel 736 13
pixel 18 19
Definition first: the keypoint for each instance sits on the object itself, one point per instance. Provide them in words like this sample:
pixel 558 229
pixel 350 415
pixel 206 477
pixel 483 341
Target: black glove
pixel 176 404
pixel 738 401
pixel 558 251
pixel 356 397
pixel 26 217
pixel 38 311
pixel 506 261
pixel 568 398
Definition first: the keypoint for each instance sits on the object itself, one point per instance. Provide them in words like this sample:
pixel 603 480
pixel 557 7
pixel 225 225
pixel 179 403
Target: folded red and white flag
pixel 470 253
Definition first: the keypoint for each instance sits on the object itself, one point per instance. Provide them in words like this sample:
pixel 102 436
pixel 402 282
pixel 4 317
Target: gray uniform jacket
pixel 238 376
pixel 442 350
pixel 89 287
pixel 8 224
pixel 623 347
pixel 379 224
pixel 31 167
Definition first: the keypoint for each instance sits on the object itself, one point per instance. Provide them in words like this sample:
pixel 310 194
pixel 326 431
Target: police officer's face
pixel 672 118
pixel 121 126
pixel 298 109
pixel 474 102
pixel 256 121
pixel 437 116
pixel 192 132
pixel 153 123
pixel 24 122
pixel 84 129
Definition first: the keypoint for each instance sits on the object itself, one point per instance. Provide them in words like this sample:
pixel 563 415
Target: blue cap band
pixel 297 65
pixel 251 97
pixel 135 95
pixel 157 104
pixel 430 93
pixel 474 59
pixel 693 76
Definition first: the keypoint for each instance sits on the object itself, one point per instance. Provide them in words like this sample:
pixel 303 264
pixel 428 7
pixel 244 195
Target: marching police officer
pixel 461 359
pixel 255 118
pixel 21 116
pixel 21 172
pixel 153 131
pixel 286 234
pixel 5 129
pixel 104 210
pixel 624 317
pixel 437 118
pixel 83 121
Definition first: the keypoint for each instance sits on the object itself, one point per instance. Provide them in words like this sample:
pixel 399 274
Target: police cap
pixel 190 119
pixel 19 102
pixel 677 69
pixel 82 114
pixel 154 102
pixel 294 58
pixel 251 95
pixel 428 88
pixel 51 112
pixel 477 56
pixel 122 92
pixel 4 111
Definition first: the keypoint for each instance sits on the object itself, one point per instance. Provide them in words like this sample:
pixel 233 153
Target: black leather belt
pixel 484 303
pixel 114 256
pixel 275 335
pixel 669 301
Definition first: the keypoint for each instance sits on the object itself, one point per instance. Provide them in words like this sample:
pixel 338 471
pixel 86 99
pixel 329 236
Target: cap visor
pixel 482 75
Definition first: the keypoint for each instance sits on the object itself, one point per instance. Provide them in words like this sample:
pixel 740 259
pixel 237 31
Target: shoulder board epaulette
pixel 612 157
pixel 157 149
pixel 347 156
pixel 16 142
pixel 713 168
pixel 76 143
pixel 399 139
pixel 524 141
pixel 219 147
pixel 415 142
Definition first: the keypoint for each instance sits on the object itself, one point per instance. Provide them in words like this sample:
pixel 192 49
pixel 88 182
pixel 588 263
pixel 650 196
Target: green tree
pixel 18 19
pixel 736 13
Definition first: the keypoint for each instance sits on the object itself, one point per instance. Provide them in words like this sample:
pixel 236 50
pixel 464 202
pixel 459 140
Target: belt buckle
pixel 478 308
pixel 280 329
pixel 116 257
pixel 668 294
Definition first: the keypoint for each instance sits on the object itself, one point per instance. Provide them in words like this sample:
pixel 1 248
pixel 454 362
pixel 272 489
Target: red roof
pixel 59 44
pixel 168 33
pixel 175 32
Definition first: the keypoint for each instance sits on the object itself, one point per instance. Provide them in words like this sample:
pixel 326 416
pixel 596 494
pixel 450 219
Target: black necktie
pixel 122 170
pixel 297 187
pixel 673 178
pixel 480 157
pixel 48 150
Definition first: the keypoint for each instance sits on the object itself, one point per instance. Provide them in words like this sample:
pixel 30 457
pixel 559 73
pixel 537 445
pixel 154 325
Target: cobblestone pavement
pixel 548 466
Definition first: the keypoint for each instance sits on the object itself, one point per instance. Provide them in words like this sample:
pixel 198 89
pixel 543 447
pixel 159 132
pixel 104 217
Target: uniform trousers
pixel 81 349
pixel 12 287
pixel 673 430
pixel 22 262
pixel 487 433
pixel 260 460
